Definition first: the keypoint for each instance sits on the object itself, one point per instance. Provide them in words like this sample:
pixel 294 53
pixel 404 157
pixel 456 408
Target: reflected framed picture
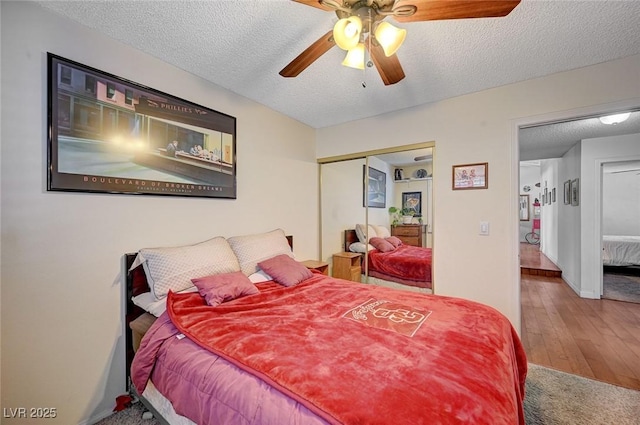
pixel 412 201
pixel 111 135
pixel 470 176
pixel 375 188
pixel 575 192
pixel 567 192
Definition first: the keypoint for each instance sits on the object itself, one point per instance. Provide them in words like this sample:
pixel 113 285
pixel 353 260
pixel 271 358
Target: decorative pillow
pixel 362 236
pixel 396 242
pixel 251 249
pixel 381 231
pixel 360 247
pixel 381 244
pixel 219 288
pixel 285 270
pixel 173 268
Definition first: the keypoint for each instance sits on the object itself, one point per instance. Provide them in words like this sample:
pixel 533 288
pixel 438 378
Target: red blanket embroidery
pixel 465 364
pixel 390 316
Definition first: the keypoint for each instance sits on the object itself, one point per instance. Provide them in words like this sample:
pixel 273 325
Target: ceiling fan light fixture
pixel 355 57
pixel 615 119
pixel 346 32
pixel 390 37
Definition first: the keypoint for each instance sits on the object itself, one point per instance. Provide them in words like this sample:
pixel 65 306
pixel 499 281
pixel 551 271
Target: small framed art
pixel 567 192
pixel 470 176
pixel 375 191
pixel 575 192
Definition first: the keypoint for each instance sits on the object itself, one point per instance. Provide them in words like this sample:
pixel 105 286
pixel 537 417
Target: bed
pixel 320 350
pixel 406 265
pixel 621 251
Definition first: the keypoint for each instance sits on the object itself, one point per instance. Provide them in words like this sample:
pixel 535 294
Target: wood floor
pixel 597 339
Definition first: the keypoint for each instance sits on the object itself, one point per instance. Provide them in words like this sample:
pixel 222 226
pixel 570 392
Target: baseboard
pixel 97 417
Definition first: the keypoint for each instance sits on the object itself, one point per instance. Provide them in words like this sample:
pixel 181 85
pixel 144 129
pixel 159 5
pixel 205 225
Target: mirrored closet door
pixel 358 193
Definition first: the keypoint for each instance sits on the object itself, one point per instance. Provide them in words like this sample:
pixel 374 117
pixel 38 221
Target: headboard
pixel 136 284
pixel 350 237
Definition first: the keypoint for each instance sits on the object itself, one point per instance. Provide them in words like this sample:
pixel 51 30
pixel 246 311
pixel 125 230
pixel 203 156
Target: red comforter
pixel 362 354
pixel 406 262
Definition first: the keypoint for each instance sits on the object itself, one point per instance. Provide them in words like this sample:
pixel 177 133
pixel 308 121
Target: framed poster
pixel 471 176
pixel 375 188
pixel 567 192
pixel 575 192
pixel 110 135
pixel 412 201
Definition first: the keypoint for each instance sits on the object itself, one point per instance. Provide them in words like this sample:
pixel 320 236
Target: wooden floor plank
pixel 598 339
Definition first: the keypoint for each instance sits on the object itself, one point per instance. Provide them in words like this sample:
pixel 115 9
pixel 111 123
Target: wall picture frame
pixel 567 192
pixel 110 135
pixel 470 176
pixel 412 201
pixel 375 188
pixel 575 192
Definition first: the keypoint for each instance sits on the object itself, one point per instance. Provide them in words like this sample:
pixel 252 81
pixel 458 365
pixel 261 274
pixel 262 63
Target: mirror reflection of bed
pixel 407 175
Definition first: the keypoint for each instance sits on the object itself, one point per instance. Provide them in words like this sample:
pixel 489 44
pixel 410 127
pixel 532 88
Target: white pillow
pixel 259 276
pixel 360 232
pixel 381 231
pixel 360 247
pixel 147 302
pixel 173 268
pixel 252 249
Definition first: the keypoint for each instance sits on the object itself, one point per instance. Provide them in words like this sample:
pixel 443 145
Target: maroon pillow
pixel 381 244
pixel 396 242
pixel 219 288
pixel 139 279
pixel 285 270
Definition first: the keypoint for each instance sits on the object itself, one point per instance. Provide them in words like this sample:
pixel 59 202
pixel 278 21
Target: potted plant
pixel 395 215
pixel 407 215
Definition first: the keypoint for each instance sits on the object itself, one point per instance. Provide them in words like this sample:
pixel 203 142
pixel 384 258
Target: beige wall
pixel 62 343
pixel 482 127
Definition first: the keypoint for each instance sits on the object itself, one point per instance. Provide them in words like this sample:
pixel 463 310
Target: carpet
pixel 621 287
pixel 552 398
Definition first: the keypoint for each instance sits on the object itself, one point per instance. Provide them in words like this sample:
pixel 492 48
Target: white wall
pixel 569 240
pixel 62 295
pixel 621 203
pixel 596 152
pixel 476 128
pixel 549 211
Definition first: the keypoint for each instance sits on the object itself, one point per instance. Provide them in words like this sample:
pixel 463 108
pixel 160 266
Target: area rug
pixel 552 398
pixel 621 287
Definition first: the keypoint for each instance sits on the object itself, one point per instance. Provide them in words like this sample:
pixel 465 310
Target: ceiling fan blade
pixel 307 57
pixel 389 68
pixel 314 3
pixel 433 10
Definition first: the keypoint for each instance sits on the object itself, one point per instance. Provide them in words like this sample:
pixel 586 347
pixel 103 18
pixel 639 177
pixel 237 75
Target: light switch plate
pixel 484 228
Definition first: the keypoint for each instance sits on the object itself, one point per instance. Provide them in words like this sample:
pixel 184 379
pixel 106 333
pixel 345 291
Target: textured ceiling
pixel 242 45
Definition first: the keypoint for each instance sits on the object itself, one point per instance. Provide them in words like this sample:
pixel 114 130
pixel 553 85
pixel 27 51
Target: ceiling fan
pixel 362 25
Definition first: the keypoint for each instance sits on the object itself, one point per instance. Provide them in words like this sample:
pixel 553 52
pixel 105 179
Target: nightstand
pixel 346 265
pixel 320 266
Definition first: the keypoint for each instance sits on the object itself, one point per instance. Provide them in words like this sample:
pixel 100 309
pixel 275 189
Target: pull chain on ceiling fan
pixel 362 26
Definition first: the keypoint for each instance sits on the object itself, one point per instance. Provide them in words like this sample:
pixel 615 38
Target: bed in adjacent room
pixel 389 259
pixel 260 339
pixel 621 251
